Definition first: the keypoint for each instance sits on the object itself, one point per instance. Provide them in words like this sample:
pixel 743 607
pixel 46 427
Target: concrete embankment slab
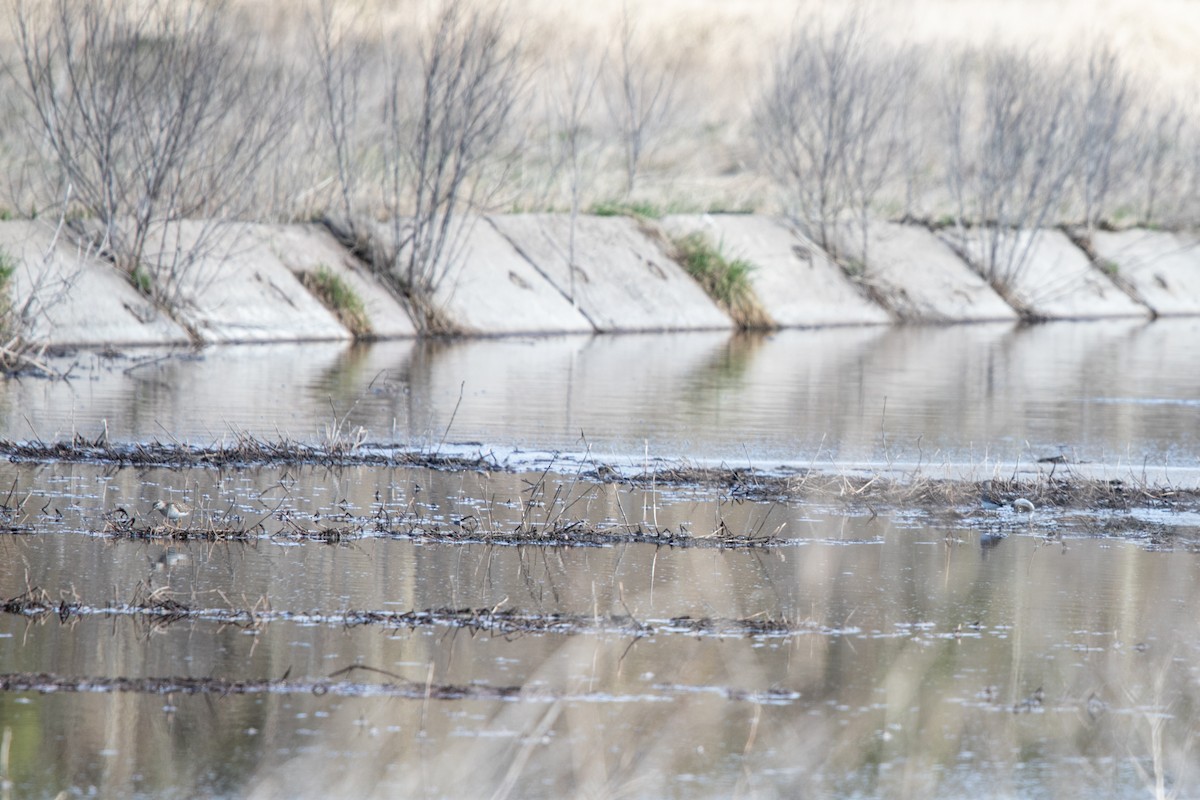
pixel 795 282
pixel 306 248
pixel 1058 281
pixel 919 278
pixel 491 289
pixel 622 281
pixel 1163 268
pixel 238 290
pixel 73 299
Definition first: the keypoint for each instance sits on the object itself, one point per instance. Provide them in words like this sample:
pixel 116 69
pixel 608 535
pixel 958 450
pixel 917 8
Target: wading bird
pixel 1022 505
pixel 992 502
pixel 172 510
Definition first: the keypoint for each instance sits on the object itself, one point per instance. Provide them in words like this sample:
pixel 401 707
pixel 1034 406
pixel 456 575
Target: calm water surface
pixel 930 652
pixel 1117 392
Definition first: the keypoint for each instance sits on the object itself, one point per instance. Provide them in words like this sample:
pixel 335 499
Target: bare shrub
pixel 438 152
pixel 641 96
pixel 826 125
pixel 152 115
pixel 18 350
pixel 1101 130
pixel 1158 160
pixel 341 59
pixel 1011 149
pixel 44 281
pixel 571 99
pixel 917 141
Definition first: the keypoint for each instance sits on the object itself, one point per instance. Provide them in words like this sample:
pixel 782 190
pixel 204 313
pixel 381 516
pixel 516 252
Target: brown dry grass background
pixel 705 156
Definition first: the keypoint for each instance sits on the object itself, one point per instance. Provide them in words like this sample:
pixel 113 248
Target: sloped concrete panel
pixel 919 278
pixel 240 291
pixel 1163 268
pixel 622 279
pixel 795 282
pixel 489 288
pixel 493 289
pixel 1058 281
pixel 73 299
pixel 305 248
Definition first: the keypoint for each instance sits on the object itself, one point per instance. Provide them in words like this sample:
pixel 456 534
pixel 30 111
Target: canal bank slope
pixel 547 273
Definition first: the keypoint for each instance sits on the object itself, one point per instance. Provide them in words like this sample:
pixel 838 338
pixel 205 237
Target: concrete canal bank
pixel 515 275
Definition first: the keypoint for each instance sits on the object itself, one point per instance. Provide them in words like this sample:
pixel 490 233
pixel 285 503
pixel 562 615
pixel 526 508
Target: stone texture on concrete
pixel 491 289
pixel 305 248
pixel 240 291
pixel 623 280
pixel 795 282
pixel 73 299
pixel 1162 268
pixel 1059 280
pixel 919 278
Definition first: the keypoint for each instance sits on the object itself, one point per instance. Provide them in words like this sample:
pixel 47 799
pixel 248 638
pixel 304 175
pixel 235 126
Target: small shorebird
pixel 992 502
pixel 989 500
pixel 173 511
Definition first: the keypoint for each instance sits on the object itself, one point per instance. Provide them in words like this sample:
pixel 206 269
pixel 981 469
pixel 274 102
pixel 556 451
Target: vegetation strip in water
pixel 914 490
pixel 157 607
pixel 245 451
pixel 119 524
pixel 48 682
pixel 412 690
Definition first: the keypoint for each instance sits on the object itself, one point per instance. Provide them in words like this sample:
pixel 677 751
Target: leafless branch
pixel 826 125
pixel 470 82
pixel 571 102
pixel 1012 153
pixel 640 97
pixel 153 113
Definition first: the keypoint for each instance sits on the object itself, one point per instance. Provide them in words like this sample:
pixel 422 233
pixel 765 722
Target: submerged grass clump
pixel 727 281
pixel 336 295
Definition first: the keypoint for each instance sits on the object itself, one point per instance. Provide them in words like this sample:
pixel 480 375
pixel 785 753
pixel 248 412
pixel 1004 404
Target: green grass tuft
pixel 142 281
pixel 336 295
pixel 727 281
pixel 622 208
pixel 8 266
pixel 854 268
